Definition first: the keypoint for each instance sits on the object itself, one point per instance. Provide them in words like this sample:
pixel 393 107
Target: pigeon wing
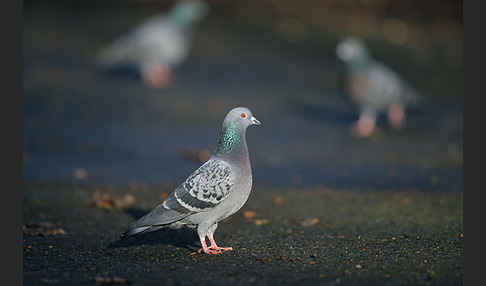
pixel 206 187
pixel 203 190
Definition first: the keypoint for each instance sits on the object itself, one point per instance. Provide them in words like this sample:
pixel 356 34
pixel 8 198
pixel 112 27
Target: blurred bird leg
pixel 364 126
pixel 396 115
pixel 157 76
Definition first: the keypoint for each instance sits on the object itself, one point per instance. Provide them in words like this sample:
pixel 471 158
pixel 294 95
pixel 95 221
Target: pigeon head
pixel 189 11
pixel 234 128
pixel 353 51
pixel 241 117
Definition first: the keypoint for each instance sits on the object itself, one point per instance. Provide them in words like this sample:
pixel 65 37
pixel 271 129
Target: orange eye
pixel 243 115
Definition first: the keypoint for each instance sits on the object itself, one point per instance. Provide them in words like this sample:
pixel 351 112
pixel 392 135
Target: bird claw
pixel 157 77
pixel 209 251
pixel 364 127
pixel 212 250
pixel 396 116
pixel 223 248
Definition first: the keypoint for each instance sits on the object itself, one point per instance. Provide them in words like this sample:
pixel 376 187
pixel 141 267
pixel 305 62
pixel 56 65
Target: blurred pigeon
pixel 374 87
pixel 159 44
pixel 213 192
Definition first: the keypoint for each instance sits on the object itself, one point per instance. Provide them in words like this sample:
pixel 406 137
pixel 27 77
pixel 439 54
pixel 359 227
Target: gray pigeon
pixel 159 44
pixel 374 87
pixel 216 190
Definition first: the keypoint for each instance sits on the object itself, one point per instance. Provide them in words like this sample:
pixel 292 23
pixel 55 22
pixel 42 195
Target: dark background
pixel 329 209
pixel 275 57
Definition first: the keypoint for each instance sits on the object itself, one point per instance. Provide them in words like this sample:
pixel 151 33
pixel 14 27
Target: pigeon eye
pixel 243 115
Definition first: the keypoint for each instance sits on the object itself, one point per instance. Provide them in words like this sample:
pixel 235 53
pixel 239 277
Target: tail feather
pixel 134 231
pixel 140 230
pixel 413 97
pixel 153 221
pixel 117 52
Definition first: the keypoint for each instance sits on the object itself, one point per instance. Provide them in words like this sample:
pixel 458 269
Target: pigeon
pixel 213 192
pixel 157 45
pixel 374 87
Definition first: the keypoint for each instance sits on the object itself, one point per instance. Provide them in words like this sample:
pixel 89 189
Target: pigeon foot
pixel 396 116
pixel 157 76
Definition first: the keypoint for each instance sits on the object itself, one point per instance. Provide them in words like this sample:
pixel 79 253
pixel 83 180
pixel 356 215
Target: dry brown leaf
pixel 126 201
pixel 309 222
pixel 278 200
pixel 249 214
pixel 203 155
pixel 200 156
pixel 261 221
pixel 110 280
pixel 164 196
pixel 108 202
pixel 80 173
pixel 43 229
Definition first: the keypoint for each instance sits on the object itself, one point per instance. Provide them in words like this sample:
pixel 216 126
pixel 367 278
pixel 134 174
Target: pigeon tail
pixel 156 219
pixel 134 231
pixel 140 230
pixel 412 97
pixel 117 52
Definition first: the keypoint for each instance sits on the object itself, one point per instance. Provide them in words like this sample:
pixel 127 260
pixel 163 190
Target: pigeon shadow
pixel 324 112
pixel 183 237
pixel 345 112
pixel 121 71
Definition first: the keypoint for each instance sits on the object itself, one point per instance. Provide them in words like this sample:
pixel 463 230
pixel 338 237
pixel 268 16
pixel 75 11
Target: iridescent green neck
pixel 182 16
pixel 231 139
pixel 360 64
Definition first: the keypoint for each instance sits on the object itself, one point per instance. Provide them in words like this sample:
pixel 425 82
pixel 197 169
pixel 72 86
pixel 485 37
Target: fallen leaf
pixel 111 280
pixel 200 156
pixel 309 222
pixel 164 196
pixel 249 214
pixel 260 222
pixel 43 229
pixel 278 200
pixel 108 202
pixel 126 201
pixel 80 174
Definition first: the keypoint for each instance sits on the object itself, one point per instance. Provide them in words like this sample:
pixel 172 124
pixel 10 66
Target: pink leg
pixel 364 127
pixel 157 76
pixel 215 246
pixel 207 249
pixel 396 115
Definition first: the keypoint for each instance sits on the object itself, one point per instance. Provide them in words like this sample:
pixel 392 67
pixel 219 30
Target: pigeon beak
pixel 255 121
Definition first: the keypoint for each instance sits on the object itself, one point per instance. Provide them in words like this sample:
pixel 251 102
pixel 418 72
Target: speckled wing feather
pixel 203 190
pixel 206 187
